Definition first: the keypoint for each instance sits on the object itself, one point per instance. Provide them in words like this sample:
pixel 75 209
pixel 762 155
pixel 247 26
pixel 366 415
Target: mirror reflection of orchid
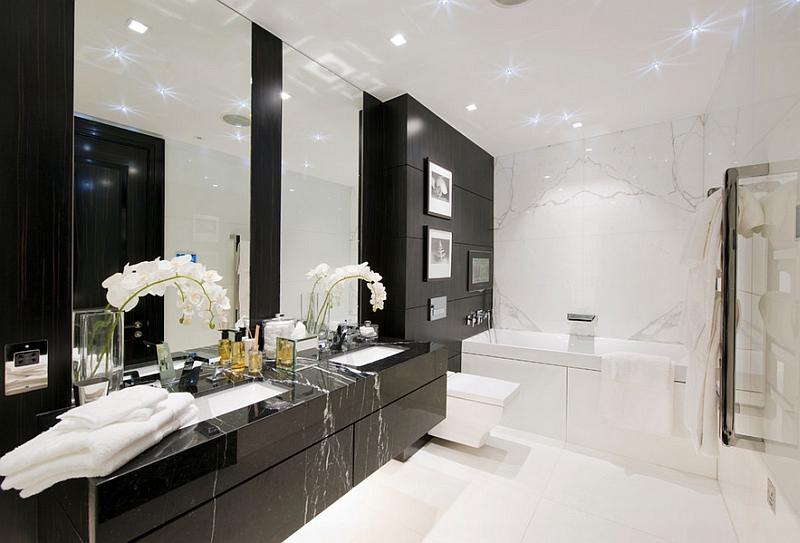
pixel 199 295
pixel 332 283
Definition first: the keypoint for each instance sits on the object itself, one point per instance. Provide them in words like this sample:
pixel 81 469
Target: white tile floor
pixel 520 488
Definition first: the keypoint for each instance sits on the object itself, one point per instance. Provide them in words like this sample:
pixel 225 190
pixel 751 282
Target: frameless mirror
pixel 182 74
pixel 320 169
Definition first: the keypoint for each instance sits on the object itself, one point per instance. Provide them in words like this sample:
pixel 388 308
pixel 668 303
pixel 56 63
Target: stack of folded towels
pixel 97 438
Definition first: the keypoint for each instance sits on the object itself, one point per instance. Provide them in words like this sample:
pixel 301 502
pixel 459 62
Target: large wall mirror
pixel 320 174
pixel 186 80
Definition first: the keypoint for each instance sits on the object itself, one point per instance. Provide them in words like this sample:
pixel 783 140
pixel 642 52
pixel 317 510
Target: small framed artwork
pixel 480 271
pixel 439 248
pixel 440 191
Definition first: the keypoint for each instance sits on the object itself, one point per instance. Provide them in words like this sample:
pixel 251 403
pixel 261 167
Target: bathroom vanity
pixel 259 472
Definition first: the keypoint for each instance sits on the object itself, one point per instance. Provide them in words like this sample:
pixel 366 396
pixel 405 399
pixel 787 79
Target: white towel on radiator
pixel 636 392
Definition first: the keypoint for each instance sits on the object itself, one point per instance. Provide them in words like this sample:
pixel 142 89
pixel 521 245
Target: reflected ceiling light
pixel 471 107
pixel 577 125
pixel 236 120
pixel 136 26
pixel 508 3
pixel 398 40
pixel 656 65
pixel 215 185
pixel 285 95
pixel 588 149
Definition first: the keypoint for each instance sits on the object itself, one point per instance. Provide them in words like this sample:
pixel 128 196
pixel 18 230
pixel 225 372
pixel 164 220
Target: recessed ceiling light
pixel 285 95
pixel 472 107
pixel 398 40
pixel 136 26
pixel 577 125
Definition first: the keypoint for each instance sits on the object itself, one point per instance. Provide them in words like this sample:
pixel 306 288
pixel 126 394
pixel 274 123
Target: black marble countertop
pixel 199 462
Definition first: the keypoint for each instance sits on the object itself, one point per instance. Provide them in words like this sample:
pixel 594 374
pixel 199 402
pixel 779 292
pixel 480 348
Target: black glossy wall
pixel 36 138
pixel 404 133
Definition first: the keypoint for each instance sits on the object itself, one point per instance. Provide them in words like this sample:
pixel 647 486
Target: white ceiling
pixel 533 70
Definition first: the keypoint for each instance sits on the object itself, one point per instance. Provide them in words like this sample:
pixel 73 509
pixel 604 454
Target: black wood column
pixel 36 209
pixel 265 175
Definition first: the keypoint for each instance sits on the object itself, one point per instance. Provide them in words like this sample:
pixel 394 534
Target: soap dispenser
pixel 237 353
pixel 224 346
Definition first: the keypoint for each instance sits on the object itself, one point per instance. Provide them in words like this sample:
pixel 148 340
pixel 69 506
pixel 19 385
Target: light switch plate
pixel 438 308
pixel 25 367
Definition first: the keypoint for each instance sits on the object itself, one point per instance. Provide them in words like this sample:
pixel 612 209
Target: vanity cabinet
pixel 259 473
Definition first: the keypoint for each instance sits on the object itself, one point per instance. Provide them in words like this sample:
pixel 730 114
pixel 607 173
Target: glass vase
pixel 317 322
pixel 99 349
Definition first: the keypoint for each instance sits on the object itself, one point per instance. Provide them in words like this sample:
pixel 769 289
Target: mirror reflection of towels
pixel 780 312
pixel 779 216
pixel 751 215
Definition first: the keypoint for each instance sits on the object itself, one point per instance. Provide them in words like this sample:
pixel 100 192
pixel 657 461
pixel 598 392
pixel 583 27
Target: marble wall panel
pixel 598 226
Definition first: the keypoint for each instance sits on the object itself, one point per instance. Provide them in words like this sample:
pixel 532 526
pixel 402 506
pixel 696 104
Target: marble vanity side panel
pixel 54 525
pixel 386 433
pixel 73 498
pixel 129 506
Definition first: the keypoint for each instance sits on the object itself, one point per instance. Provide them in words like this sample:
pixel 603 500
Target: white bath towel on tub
pixel 636 392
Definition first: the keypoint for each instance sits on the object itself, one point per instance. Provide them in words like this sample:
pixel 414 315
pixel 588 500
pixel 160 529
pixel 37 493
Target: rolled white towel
pixel 116 406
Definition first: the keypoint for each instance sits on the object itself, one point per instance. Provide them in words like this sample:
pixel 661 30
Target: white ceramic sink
pixel 219 403
pixel 369 355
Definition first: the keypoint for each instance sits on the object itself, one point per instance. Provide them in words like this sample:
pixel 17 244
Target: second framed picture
pixel 440 191
pixel 439 249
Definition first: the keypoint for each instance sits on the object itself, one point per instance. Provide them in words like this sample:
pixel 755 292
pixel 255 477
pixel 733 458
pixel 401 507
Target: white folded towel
pixel 116 406
pixel 636 392
pixel 66 451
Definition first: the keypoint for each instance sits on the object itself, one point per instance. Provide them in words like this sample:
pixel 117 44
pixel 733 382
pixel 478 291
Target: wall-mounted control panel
pixel 25 367
pixel 438 308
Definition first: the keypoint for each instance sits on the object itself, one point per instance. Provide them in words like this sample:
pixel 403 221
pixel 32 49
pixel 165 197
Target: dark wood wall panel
pixel 265 173
pixel 395 240
pixel 36 206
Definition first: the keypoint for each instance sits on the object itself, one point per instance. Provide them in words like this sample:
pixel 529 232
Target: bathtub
pixel 559 377
pixel 565 350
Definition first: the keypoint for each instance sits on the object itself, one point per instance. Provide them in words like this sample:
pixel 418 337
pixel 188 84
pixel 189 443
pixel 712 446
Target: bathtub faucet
pixel 478 317
pixel 582 324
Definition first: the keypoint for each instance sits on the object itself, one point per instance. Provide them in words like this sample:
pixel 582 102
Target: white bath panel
pixel 586 428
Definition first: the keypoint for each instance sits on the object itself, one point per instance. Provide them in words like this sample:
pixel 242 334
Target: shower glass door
pixel 761 390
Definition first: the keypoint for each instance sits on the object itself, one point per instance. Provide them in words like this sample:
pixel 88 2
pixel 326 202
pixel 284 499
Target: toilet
pixel 474 406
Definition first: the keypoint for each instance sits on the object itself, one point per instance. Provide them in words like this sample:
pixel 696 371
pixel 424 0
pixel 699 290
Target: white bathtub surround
pixel 636 392
pixel 597 226
pixel 701 323
pixel 560 394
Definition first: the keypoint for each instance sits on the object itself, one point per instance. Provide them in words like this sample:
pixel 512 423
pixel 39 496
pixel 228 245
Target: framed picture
pixel 480 271
pixel 439 248
pixel 440 191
